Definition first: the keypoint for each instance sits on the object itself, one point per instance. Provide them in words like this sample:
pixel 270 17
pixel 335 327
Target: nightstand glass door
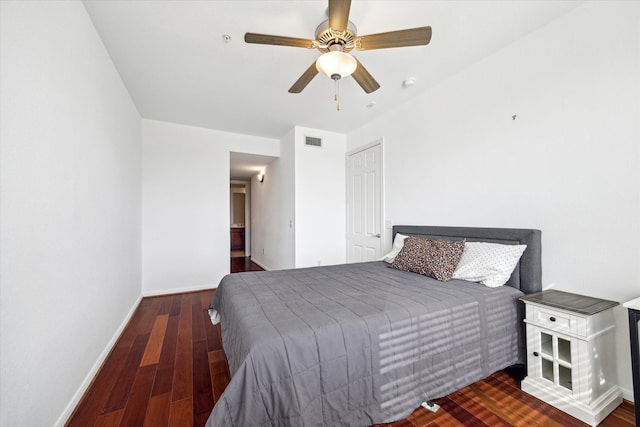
pixel 555 359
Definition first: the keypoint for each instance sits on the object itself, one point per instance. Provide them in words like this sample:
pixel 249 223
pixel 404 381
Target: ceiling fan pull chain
pixel 336 97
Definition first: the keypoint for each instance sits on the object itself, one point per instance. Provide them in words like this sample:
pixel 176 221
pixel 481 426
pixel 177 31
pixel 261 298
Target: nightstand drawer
pixel 554 320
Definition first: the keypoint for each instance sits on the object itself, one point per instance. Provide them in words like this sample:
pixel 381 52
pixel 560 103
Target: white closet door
pixel 364 204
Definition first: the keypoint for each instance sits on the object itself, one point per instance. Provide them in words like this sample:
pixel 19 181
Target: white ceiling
pixel 177 67
pixel 244 165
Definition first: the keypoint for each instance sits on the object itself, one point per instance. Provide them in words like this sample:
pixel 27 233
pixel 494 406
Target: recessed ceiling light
pixel 409 82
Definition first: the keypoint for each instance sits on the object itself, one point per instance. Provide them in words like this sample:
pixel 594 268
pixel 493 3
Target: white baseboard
pixel 177 290
pixel 96 367
pixel 261 265
pixel 627 394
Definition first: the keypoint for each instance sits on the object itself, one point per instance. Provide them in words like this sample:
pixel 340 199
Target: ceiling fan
pixel 337 36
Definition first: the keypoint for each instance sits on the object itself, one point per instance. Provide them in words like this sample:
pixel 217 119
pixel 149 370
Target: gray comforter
pixel 355 344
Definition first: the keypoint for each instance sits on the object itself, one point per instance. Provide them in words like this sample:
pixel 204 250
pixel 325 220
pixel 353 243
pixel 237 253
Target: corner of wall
pixel 95 369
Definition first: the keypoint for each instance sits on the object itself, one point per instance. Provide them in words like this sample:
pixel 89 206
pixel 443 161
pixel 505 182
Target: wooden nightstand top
pixel 570 302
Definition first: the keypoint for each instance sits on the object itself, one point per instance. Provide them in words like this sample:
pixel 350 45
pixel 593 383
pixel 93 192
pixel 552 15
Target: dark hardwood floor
pixel 244 264
pixel 168 369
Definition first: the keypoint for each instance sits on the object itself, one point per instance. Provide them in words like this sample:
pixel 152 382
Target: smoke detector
pixel 408 82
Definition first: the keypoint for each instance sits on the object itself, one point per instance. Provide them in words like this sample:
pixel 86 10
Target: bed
pixel 359 344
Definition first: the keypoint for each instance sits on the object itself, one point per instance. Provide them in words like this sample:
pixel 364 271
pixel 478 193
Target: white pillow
pixel 488 263
pixel 398 243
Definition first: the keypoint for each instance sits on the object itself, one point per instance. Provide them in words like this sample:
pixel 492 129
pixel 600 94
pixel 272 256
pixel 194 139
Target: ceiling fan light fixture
pixel 336 64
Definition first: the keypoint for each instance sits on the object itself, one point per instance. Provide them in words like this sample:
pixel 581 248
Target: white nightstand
pixel 571 354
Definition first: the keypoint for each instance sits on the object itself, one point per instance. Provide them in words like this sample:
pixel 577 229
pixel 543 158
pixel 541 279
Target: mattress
pixel 355 344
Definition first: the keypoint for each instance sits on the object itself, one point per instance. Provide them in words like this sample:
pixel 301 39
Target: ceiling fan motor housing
pixel 328 37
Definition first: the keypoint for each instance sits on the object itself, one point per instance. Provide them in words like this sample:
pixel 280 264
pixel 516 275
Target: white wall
pixel 185 211
pixel 568 165
pixel 299 210
pixel 273 211
pixel 320 204
pixel 70 208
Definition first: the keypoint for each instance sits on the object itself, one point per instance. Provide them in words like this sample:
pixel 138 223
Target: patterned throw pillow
pixel 433 258
pixel 488 263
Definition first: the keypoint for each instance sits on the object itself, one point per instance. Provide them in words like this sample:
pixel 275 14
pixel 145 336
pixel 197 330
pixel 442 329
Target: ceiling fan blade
pixel 401 38
pixel 339 14
pixel 364 79
pixel 304 79
pixel 278 40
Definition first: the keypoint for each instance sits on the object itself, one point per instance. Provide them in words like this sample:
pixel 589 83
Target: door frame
pixel 383 230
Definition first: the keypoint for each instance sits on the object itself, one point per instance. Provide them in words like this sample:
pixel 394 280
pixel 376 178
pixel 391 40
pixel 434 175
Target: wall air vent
pixel 313 142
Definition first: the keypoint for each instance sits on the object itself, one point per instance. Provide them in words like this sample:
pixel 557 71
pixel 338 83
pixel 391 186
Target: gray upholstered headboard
pixel 527 276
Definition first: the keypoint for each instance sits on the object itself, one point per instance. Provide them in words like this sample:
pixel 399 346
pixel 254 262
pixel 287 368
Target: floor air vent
pixel 313 142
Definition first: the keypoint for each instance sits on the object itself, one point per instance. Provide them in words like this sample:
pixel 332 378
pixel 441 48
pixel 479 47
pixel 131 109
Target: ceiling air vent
pixel 313 142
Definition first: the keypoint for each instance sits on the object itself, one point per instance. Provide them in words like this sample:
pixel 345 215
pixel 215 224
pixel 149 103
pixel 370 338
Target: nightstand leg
pixel 634 318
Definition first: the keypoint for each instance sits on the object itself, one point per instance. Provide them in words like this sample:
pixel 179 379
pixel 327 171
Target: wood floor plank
pixel 238 265
pixel 503 395
pixel 109 420
pixel 168 353
pixel 202 389
pixel 151 354
pixel 197 323
pixel 143 318
pixel 422 417
pixel 623 415
pixel 183 371
pixel 214 338
pixel 219 369
pixel 210 333
pixel 206 297
pixel 217 356
pixel 164 304
pixel 467 407
pixel 181 413
pixel 464 416
pixel 120 392
pixel 176 303
pixel 136 409
pixel 164 376
pixel 512 414
pixel 158 411
pixel 527 406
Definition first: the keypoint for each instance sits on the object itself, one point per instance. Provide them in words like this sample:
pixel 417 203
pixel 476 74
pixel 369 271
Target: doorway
pixel 239 214
pixel 243 170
